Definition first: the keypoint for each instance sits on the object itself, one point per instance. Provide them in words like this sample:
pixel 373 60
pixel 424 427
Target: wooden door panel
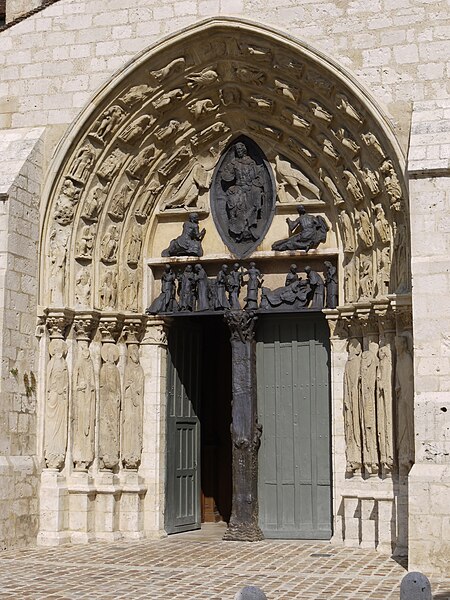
pixel 183 430
pixel 294 409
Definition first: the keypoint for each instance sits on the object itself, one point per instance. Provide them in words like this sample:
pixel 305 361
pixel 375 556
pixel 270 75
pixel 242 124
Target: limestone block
pixel 107 503
pixel 54 509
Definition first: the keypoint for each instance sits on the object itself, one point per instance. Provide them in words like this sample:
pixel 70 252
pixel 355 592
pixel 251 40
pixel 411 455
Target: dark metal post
pixel 245 431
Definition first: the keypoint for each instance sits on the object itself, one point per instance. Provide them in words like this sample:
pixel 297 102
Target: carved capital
pixel 110 327
pixel 133 329
pixel 368 323
pixel 242 324
pixel 58 322
pixel 338 326
pixel 84 324
pixel 156 330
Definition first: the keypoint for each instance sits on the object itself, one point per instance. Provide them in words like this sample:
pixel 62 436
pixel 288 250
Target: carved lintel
pixel 156 330
pixel 241 324
pixel 84 324
pixel 110 326
pixel 133 329
pixel 58 321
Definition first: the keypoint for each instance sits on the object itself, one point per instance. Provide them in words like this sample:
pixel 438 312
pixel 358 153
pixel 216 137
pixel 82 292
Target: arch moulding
pixel 134 164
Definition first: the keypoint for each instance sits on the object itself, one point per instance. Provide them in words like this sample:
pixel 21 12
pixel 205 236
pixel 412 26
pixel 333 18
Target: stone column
pixel 133 488
pixel 338 344
pixel 245 431
pixel 109 490
pixel 81 487
pixel 153 463
pixel 53 496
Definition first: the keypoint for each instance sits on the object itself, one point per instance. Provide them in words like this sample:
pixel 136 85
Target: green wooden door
pixel 183 429
pixel 294 479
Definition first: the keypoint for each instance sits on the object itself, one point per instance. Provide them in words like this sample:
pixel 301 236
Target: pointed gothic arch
pixel 140 157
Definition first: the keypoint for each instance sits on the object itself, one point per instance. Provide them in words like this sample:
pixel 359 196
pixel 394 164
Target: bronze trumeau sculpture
pixel 306 232
pixel 243 196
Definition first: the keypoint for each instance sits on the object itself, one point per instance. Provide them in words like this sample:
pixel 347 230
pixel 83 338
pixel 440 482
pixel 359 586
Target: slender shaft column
pixel 245 431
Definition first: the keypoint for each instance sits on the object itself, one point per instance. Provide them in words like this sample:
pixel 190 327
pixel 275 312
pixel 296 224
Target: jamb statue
pixel 312 230
pixel 189 243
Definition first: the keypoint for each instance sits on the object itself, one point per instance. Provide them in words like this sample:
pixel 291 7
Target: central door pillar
pixel 245 431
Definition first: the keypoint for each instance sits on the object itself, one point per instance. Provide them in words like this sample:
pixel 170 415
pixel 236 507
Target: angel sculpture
pixel 311 231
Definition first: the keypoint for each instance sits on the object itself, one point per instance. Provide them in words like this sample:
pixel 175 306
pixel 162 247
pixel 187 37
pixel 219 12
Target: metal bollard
pixel 415 586
pixel 250 592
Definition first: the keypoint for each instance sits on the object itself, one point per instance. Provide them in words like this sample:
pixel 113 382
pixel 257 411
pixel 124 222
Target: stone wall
pixel 54 61
pixel 19 225
pixel 429 481
pixel 18 8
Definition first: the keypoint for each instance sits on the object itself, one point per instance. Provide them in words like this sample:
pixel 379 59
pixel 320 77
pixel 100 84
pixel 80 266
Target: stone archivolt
pixel 149 150
pixel 145 157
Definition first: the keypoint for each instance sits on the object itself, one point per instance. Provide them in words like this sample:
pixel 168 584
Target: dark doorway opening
pixel 199 478
pixel 215 419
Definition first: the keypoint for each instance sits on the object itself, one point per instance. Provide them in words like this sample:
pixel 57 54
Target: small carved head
pixel 293 268
pixel 193 217
pixel 301 209
pixel 236 266
pixel 308 270
pixel 240 149
pixel 167 268
pixel 225 268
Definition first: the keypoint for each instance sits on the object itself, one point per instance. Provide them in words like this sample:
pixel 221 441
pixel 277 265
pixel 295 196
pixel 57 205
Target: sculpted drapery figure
pixel 384 405
pixel 253 282
pixel 133 407
pixel 221 301
pixel 404 390
pixel 83 409
pixel 189 243
pixel 311 231
pixel 369 366
pixel 331 285
pixel 166 301
pixel 187 289
pixel 201 288
pixel 56 406
pixel 294 295
pixel 58 259
pixel 352 399
pixel 317 287
pixel 245 196
pixel 109 400
pixel 234 286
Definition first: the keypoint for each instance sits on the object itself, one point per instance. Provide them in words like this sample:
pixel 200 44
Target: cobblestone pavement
pixel 200 566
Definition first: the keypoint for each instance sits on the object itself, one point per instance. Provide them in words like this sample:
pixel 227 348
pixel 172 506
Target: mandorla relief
pixel 248 133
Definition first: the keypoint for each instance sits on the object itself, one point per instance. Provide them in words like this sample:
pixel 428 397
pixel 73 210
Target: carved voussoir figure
pixel 109 400
pixel 83 409
pixel 306 232
pixel 331 285
pixel 132 412
pixel 82 164
pixel 56 406
pixel 58 261
pixel 108 123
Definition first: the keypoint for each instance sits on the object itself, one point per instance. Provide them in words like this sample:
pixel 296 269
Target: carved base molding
pixel 243 532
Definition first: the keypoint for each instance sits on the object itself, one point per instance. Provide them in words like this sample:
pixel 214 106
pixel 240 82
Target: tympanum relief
pixel 144 151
